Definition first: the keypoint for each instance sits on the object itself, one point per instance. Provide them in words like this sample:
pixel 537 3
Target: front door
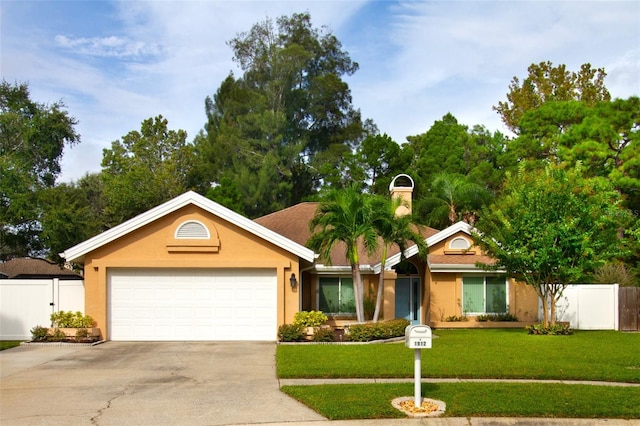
pixel 408 298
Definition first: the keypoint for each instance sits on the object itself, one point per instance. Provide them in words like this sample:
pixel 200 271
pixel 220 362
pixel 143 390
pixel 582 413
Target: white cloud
pixel 418 59
pixel 112 46
pixel 460 56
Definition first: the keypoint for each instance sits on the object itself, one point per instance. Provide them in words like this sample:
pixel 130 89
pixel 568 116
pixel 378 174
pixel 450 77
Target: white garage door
pixel 195 304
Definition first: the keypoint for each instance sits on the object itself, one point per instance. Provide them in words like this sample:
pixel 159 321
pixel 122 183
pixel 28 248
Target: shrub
pixel 505 317
pixel 39 333
pixel 555 329
pixel 68 319
pixel 615 273
pixel 309 318
pixel 369 305
pixel 396 327
pixel 82 334
pixel 375 331
pixel 323 334
pixel 456 318
pixel 57 335
pixel 291 333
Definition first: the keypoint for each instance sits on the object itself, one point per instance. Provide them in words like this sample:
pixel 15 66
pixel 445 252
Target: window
pixel 336 295
pixel 484 294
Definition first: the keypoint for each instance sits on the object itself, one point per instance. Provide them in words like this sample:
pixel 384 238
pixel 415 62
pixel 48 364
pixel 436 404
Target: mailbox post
pixel 417 337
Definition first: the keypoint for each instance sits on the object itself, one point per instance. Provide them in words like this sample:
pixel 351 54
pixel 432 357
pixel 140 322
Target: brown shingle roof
pixel 293 223
pixel 27 267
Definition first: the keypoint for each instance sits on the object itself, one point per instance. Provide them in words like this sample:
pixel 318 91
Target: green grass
pixel 488 353
pixel 8 344
pixel 339 402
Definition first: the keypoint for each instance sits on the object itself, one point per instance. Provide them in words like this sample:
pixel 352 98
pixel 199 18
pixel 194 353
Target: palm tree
pixel 398 230
pixel 346 215
pixel 455 196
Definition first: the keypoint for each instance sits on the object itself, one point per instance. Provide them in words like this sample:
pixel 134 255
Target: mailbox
pixel 417 337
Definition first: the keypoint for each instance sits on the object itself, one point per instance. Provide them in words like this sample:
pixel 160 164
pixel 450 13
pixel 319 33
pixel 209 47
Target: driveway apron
pixel 116 383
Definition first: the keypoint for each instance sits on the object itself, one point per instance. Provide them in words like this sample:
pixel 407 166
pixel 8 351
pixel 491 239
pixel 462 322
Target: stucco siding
pixel 444 295
pixel 154 245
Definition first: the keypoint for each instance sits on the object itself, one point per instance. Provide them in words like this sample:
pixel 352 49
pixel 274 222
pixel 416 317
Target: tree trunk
pixel 376 313
pixel 358 290
pixel 545 310
pixel 553 309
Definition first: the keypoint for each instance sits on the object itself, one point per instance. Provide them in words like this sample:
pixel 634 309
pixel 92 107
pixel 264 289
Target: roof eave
pixel 77 252
pixel 322 269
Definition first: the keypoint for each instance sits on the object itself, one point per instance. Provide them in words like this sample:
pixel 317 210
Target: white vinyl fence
pixel 589 306
pixel 27 303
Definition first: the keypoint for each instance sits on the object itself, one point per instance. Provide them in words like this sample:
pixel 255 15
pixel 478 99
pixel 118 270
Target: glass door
pixel 408 298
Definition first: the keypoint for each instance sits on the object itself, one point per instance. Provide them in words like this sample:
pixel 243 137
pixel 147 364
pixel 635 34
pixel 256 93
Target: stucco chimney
pixel 402 187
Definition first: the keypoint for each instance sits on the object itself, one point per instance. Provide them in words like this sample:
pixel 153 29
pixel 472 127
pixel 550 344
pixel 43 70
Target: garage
pixel 192 304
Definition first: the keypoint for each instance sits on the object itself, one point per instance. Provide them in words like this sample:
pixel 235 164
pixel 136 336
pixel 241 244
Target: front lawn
pixel 465 353
pixel 8 344
pixel 481 354
pixel 373 401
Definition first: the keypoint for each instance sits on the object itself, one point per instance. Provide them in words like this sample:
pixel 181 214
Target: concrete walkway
pixel 309 382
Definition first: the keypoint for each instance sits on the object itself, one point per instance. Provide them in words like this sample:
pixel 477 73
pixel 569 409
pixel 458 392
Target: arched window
pixel 459 243
pixel 192 230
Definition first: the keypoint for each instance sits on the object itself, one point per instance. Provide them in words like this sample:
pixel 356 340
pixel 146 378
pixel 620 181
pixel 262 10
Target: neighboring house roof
pixel 32 268
pixel 76 253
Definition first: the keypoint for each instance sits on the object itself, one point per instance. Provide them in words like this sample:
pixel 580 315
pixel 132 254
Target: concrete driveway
pixel 116 383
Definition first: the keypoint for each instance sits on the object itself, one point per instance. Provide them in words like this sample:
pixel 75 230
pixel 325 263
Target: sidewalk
pixel 309 382
pixel 476 421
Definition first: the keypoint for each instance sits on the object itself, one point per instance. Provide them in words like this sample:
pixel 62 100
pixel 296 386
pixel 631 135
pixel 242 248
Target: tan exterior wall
pixel 389 295
pixel 154 246
pixel 523 301
pixel 445 295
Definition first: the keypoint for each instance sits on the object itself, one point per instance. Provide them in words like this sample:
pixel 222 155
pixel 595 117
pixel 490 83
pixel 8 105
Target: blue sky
pixel 116 63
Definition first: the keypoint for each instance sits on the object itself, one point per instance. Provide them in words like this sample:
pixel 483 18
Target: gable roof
pixel 293 222
pixel 77 252
pixel 28 267
pixel 434 238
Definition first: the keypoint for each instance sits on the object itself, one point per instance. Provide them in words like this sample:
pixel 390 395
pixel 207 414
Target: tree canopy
pixel 551 227
pixel 285 129
pixel 33 136
pixel 267 129
pixel 547 83
pixel 144 169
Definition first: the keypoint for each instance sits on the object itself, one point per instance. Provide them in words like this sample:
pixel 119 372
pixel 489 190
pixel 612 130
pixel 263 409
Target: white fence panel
pixel 589 306
pixel 70 296
pixel 27 303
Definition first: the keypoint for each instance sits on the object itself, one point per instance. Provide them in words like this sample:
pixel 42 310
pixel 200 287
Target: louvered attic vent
pixel 193 237
pixel 459 245
pixel 192 230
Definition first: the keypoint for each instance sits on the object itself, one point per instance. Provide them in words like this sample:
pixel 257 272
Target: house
pixel 447 284
pixel 23 268
pixel 191 269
